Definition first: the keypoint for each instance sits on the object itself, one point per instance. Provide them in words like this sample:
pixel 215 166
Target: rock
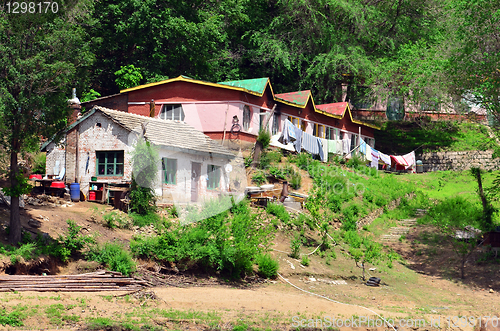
pixel 34 223
pixel 491 290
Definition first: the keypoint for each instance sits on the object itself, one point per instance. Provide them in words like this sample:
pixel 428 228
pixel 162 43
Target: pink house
pixel 213 107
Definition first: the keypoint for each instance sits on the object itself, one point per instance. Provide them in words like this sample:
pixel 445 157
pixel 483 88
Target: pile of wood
pixel 89 282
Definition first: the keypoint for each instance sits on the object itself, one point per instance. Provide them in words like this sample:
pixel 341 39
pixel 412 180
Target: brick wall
pixel 458 160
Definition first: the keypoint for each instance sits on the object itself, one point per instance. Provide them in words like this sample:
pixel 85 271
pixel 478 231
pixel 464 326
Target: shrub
pixel 274 156
pixel 295 179
pixel 264 138
pixel 142 199
pixel 224 242
pixel 268 267
pixel 279 211
pixel 72 243
pixel 259 178
pixel 114 256
pixel 145 220
pixel 117 220
pixel 305 260
pixel 295 246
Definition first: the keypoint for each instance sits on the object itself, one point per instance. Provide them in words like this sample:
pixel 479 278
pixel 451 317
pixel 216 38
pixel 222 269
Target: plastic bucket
pixel 74 190
pixel 91 196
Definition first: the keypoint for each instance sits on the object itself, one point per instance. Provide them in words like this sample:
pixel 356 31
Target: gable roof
pixel 299 98
pixel 257 85
pixel 338 110
pixel 173 134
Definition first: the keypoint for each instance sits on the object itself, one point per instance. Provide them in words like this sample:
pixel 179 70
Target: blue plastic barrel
pixel 74 190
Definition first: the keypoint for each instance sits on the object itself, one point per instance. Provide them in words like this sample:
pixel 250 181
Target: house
pixel 99 144
pixel 213 108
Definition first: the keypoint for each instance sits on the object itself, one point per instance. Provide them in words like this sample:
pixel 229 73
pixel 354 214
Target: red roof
pixel 337 108
pixel 299 98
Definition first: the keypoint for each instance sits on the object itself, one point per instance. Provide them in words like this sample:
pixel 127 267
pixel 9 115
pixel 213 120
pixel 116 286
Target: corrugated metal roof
pixel 337 108
pixel 299 98
pixel 178 135
pixel 257 85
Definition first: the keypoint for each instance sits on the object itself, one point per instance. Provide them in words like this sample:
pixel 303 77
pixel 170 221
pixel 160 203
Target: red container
pixel 91 196
pixel 57 184
pixel 35 177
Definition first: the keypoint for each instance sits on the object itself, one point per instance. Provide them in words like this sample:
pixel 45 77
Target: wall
pixel 458 160
pixel 379 115
pixel 181 191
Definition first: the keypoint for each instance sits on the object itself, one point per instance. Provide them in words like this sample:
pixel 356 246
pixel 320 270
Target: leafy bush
pixel 268 267
pixel 225 242
pixel 117 220
pixel 277 172
pixel 274 156
pixel 264 138
pixel 279 211
pixel 114 256
pixel 303 160
pixel 142 199
pixel 72 243
pixel 259 178
pixel 305 261
pixel 295 244
pixel 145 220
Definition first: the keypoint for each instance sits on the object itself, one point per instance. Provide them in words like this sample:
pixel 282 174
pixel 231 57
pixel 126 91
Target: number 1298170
pixel 31 7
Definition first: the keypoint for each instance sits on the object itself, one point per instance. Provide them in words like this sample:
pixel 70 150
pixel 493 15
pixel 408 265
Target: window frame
pixel 276 124
pixel 167 169
pixel 328 133
pixel 317 132
pixel 166 108
pixel 213 176
pixel 106 164
pixel 247 116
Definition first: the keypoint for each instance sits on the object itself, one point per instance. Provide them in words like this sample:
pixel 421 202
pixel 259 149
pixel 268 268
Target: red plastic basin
pixel 35 177
pixel 57 184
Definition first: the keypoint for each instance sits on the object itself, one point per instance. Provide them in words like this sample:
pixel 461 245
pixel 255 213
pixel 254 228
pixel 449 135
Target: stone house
pixel 191 168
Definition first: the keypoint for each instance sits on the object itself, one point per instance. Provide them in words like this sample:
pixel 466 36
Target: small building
pixel 212 107
pixel 191 168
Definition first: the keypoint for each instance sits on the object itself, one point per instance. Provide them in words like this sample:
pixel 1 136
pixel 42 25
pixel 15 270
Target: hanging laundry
pixel 332 146
pixel 368 155
pixel 410 160
pixel 298 139
pixel 340 150
pixel 362 146
pixel 310 143
pixel 384 158
pixel 324 149
pixel 375 157
pixel 288 133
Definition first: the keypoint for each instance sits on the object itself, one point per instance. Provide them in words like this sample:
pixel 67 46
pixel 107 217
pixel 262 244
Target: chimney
pixel 74 103
pixel 152 108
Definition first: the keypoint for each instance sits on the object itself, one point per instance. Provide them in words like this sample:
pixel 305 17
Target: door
pixel 195 180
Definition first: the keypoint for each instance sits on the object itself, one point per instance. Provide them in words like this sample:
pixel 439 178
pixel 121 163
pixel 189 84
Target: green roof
pixel 256 85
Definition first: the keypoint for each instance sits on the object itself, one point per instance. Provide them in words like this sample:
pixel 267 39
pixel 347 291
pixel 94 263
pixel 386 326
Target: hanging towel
pixel 324 144
pixel 298 139
pixel 368 154
pixel 375 155
pixel 384 158
pixel 332 146
pixel 399 160
pixel 310 143
pixel 346 144
pixel 288 133
pixel 410 160
pixel 362 146
pixel 340 144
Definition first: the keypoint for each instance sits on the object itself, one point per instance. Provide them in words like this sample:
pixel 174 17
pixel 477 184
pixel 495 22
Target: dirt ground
pixel 425 287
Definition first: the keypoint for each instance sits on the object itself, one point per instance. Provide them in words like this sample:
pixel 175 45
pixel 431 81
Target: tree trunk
pixel 15 217
pixel 256 154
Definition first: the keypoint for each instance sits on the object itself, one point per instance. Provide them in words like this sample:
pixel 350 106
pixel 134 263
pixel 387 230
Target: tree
pixel 455 219
pixel 41 56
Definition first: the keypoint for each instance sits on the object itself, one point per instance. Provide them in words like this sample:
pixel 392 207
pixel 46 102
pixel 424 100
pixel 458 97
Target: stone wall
pixel 458 160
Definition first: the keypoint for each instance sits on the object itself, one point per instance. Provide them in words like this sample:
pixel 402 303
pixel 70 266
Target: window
pixel 213 173
pixel 276 123
pixel 262 117
pixel 246 118
pixel 331 133
pixel 319 130
pixel 169 171
pixel 354 142
pixel 109 163
pixel 295 121
pixel 172 112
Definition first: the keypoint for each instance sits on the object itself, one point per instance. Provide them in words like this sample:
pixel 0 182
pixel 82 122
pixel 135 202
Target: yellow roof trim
pixel 195 81
pixel 359 122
